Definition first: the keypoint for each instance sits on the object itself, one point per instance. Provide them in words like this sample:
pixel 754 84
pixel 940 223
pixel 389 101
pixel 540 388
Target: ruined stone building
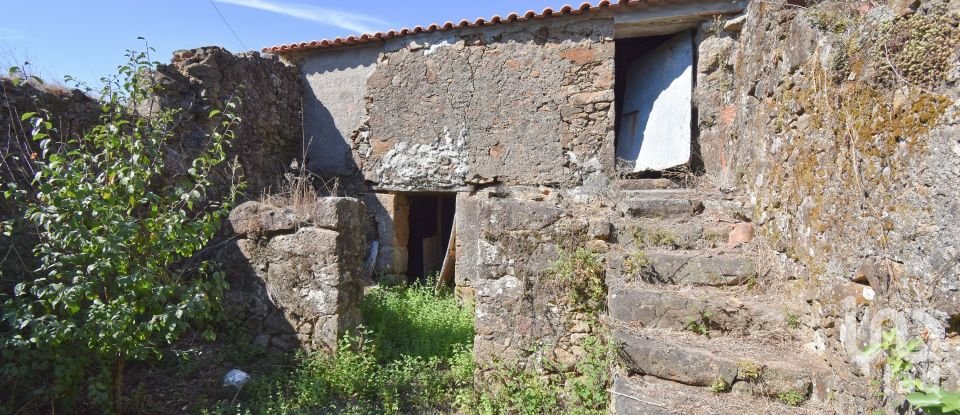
pixel 767 189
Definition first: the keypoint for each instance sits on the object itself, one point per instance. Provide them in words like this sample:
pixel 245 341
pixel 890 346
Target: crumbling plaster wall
pixel 519 104
pixel 852 167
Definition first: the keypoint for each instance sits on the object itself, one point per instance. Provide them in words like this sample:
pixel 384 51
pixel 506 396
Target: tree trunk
pixel 118 386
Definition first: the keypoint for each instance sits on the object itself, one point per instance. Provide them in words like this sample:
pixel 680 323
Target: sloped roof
pixel 340 42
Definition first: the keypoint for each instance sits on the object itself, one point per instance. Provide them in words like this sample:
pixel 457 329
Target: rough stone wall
pixel 506 243
pixel 844 130
pixel 269 137
pixel 295 271
pixel 519 104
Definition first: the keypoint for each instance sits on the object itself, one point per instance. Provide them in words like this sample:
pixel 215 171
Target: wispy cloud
pixel 353 22
pixel 7 33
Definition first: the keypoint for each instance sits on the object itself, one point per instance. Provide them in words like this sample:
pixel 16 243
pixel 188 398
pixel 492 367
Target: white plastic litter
pixel 236 378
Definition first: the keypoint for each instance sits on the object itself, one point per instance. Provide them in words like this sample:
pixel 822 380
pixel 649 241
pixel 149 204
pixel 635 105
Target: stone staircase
pixel 696 335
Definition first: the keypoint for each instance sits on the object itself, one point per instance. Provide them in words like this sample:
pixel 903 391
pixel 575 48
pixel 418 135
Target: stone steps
pixel 687 233
pixel 676 267
pixel 719 364
pixel 647 395
pixel 661 203
pixel 646 184
pixel 655 307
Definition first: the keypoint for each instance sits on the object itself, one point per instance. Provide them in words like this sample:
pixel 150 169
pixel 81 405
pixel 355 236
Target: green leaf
pixel 27 115
pixel 871 350
pixel 214 113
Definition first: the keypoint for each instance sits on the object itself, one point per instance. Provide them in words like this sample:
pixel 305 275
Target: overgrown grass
pixel 414 355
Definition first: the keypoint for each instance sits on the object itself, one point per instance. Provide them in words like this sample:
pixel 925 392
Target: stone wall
pixel 295 271
pixel 507 242
pixel 519 104
pixel 842 126
pixel 269 137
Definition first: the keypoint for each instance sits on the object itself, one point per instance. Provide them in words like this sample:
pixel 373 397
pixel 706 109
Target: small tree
pixel 117 279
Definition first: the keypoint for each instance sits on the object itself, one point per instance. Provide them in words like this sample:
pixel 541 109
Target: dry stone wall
pixel 269 137
pixel 295 271
pixel 844 131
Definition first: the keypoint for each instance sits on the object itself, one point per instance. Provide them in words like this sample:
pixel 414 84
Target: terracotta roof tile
pixel 512 17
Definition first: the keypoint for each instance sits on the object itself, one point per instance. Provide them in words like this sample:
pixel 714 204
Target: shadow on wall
pixel 334 114
pixel 334 107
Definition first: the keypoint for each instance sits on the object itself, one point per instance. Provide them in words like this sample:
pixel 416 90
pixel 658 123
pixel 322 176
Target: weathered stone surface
pixel 625 402
pixel 662 207
pixel 776 378
pixel 696 367
pixel 665 309
pixel 268 139
pixel 735 25
pixel 673 362
pixel 692 267
pixel 517 304
pixel 436 117
pixel 298 281
pixel 646 184
pixel 740 234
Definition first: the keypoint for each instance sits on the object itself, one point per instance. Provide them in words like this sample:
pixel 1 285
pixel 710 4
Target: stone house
pixel 427 118
pixel 662 134
pixel 760 194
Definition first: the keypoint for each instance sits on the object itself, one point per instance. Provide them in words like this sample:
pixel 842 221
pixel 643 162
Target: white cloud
pixel 7 33
pixel 357 23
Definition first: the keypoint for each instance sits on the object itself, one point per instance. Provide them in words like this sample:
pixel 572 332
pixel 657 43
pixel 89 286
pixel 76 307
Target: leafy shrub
pixel 116 281
pixel 932 399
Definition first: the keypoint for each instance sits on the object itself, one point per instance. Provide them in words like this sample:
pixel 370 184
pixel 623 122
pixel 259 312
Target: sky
pixel 87 39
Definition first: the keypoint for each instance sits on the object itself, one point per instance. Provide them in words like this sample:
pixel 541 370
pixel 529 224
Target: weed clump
pixel 792 398
pixel 749 371
pixel 719 385
pixel 580 276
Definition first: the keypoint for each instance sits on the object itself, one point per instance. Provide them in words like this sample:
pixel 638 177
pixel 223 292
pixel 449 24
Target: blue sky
pixel 87 38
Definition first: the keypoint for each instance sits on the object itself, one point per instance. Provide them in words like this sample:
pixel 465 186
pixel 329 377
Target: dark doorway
pixel 430 222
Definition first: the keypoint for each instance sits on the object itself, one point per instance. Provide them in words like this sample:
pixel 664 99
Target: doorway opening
pixel 430 225
pixel 654 95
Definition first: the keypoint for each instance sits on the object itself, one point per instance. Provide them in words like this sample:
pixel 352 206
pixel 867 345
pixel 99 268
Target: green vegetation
pixel 792 398
pixel 414 354
pixel 918 47
pixel 932 399
pixel 513 390
pixel 700 323
pixel 636 263
pixel 117 280
pixel 656 238
pixel 580 277
pixel 749 371
pixel 793 321
pixel 719 385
